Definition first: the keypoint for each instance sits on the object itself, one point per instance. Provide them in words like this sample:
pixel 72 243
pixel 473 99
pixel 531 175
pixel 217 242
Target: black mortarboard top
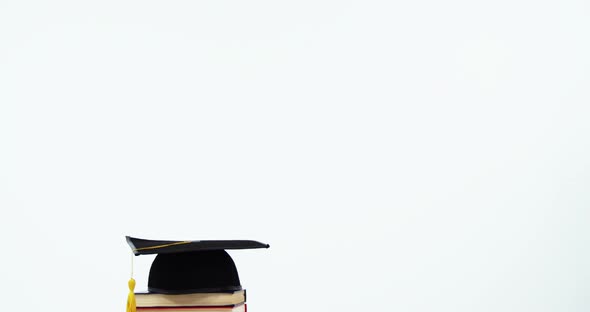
pixel 192 266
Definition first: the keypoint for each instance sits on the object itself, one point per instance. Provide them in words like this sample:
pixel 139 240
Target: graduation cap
pixel 182 267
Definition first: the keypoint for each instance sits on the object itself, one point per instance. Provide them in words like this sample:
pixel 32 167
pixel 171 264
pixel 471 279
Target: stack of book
pixel 197 302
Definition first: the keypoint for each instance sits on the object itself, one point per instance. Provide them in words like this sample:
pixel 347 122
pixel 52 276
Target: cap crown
pixel 190 272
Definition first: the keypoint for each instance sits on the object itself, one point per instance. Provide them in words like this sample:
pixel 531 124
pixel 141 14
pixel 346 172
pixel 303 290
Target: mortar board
pixel 192 266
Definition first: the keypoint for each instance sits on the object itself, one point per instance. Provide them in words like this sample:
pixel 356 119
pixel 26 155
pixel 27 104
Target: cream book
pixel 190 300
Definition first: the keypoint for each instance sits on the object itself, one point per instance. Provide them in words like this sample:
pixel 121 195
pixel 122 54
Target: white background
pixel 398 156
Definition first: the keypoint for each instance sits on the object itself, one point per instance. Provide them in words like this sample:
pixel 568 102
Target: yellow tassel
pixel 131 298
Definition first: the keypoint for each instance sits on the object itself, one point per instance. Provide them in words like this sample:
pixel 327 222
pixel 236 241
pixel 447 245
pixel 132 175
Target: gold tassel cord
pixel 163 246
pixel 131 307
